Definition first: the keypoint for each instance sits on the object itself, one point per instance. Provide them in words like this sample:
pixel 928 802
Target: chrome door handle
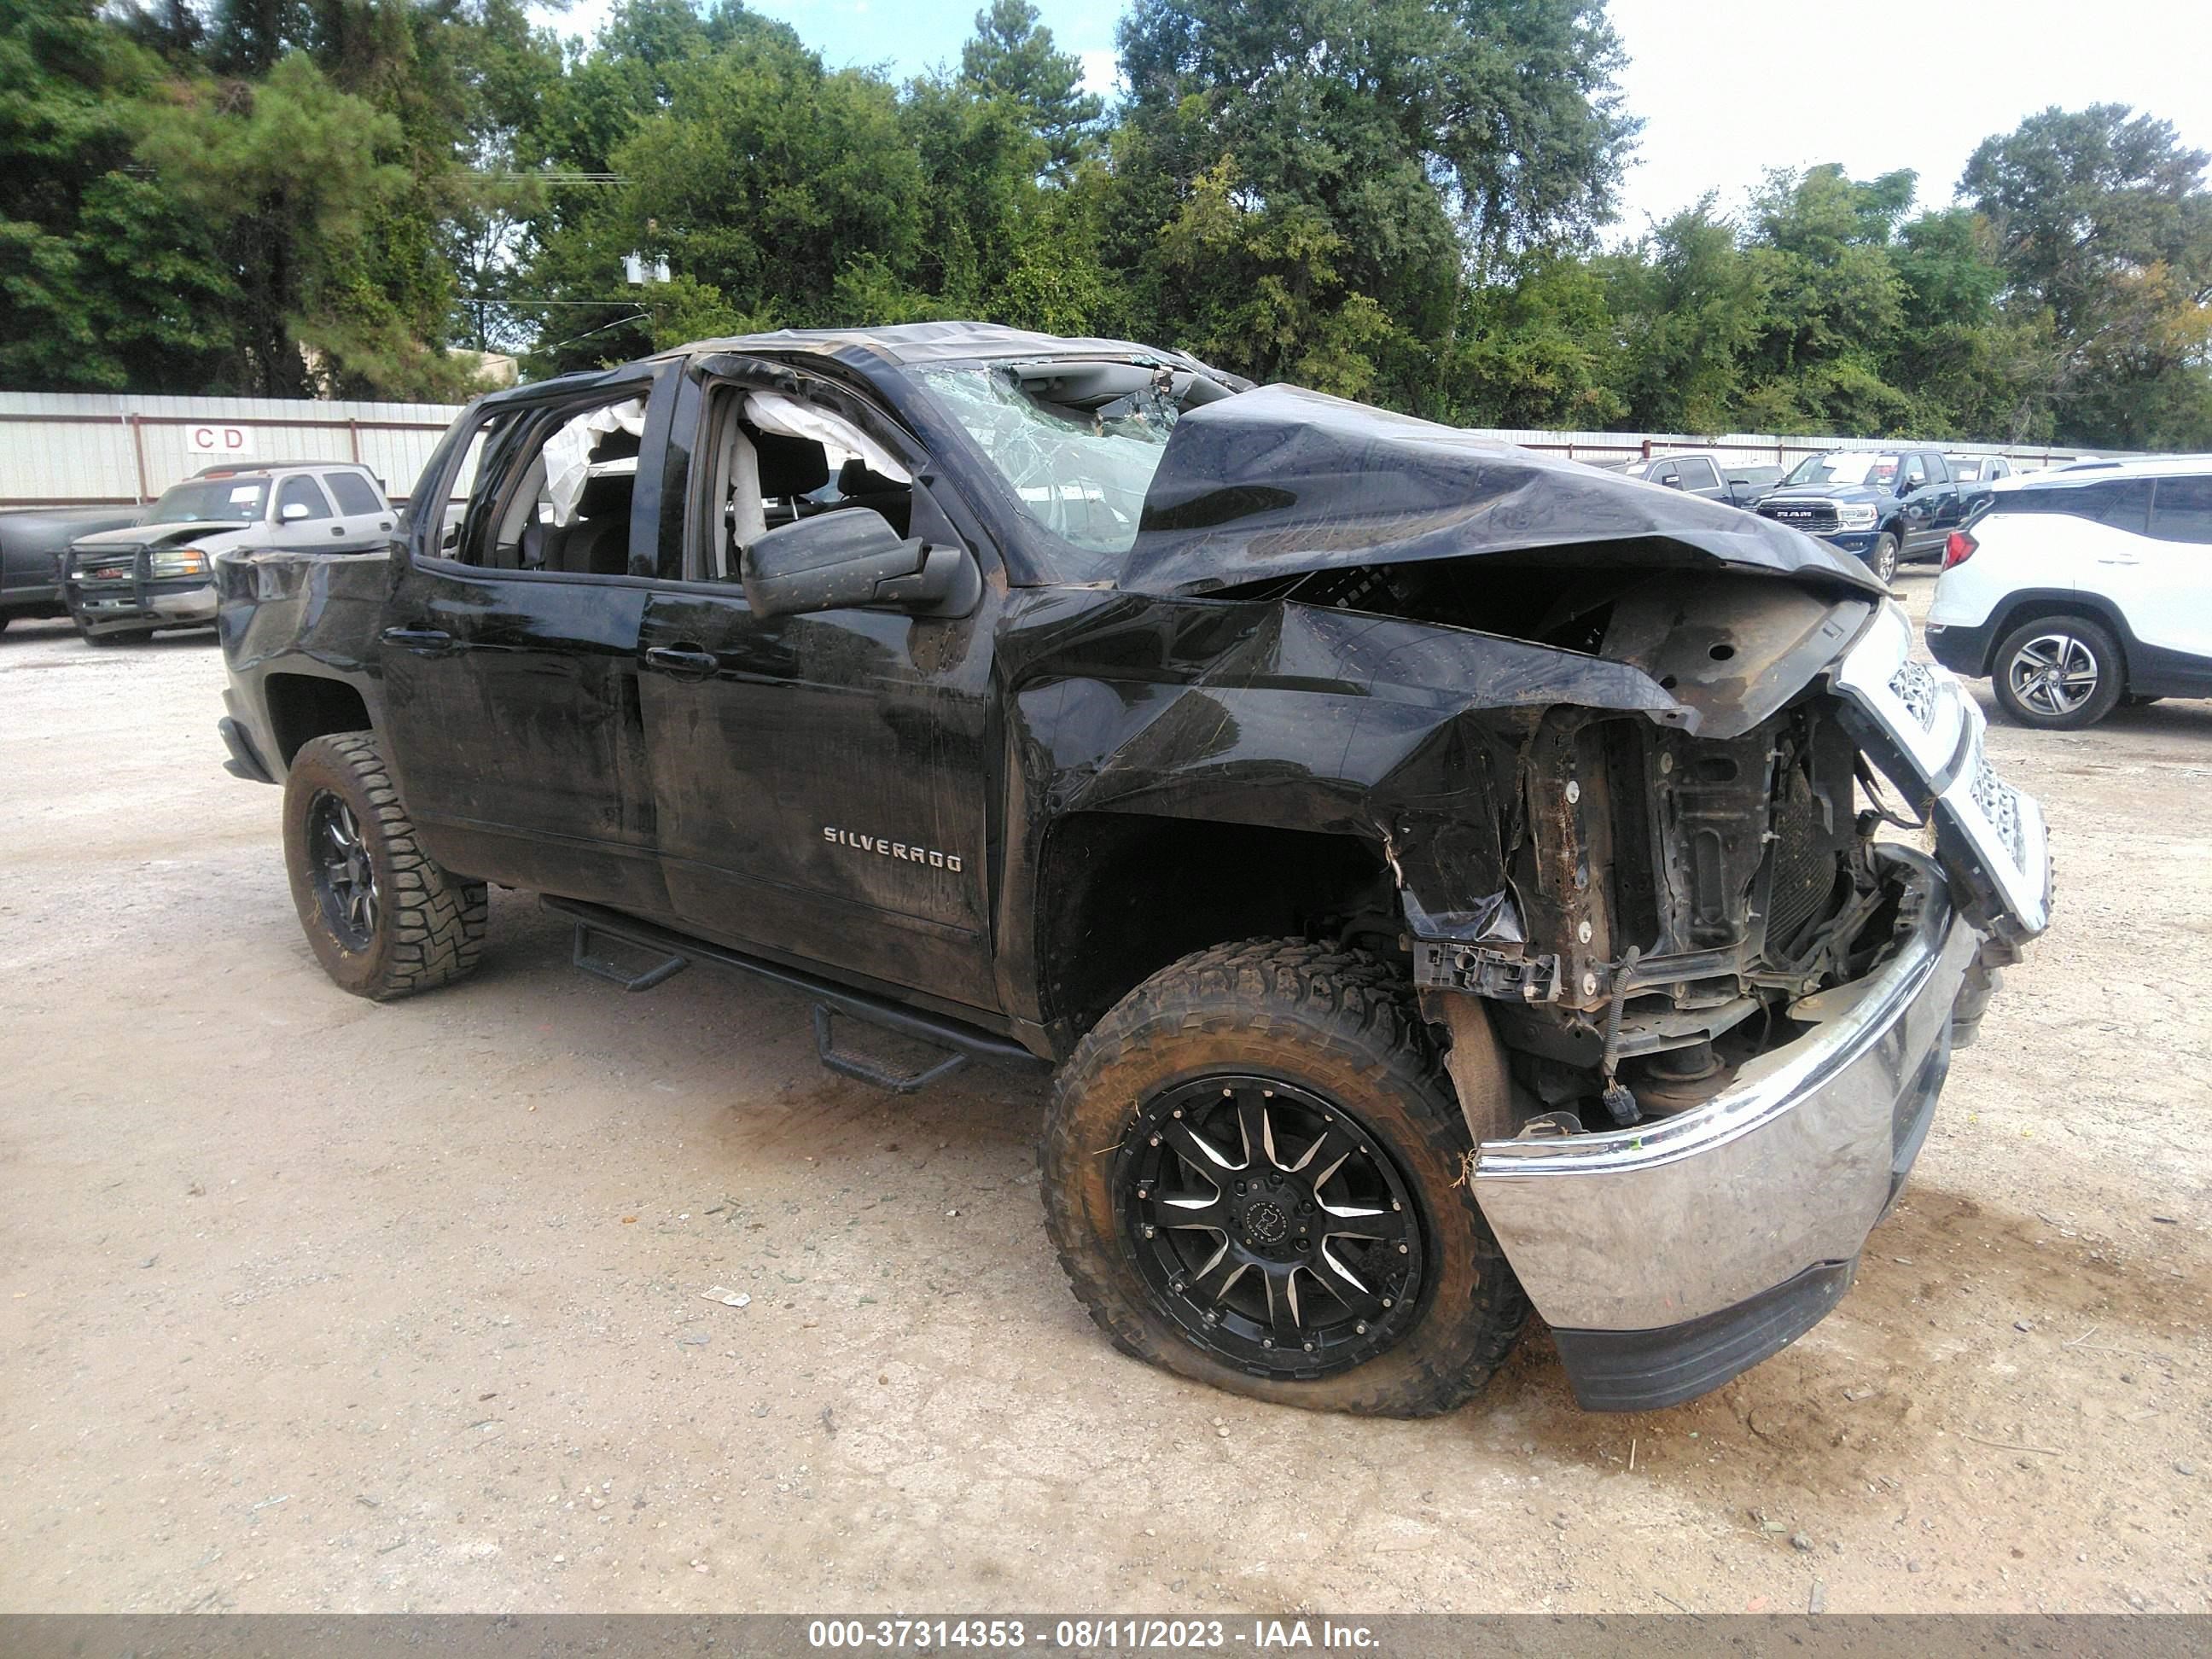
pixel 424 642
pixel 685 662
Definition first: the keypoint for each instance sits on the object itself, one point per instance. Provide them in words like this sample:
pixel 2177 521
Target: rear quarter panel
pixel 312 614
pixel 2015 551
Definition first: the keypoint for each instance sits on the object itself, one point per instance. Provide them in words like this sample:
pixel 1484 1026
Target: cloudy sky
pixel 1729 87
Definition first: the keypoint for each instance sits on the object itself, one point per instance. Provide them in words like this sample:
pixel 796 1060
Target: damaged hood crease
pixel 1282 481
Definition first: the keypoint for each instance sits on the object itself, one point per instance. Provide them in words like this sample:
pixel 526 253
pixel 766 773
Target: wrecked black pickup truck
pixel 1444 880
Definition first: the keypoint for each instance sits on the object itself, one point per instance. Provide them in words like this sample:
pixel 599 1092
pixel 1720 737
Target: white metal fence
pixel 1762 449
pixel 68 449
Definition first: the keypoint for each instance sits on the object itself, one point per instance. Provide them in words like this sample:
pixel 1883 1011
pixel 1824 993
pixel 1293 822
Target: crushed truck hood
pixel 157 535
pixel 1282 481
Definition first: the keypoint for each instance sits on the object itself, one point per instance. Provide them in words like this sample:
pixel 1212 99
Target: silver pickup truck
pixel 160 572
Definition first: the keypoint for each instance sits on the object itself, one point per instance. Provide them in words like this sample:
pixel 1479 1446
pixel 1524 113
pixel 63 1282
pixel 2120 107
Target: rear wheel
pixel 1883 560
pixel 383 919
pixel 1254 1176
pixel 2059 672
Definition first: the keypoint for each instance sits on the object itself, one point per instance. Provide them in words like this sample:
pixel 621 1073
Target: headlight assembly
pixel 178 561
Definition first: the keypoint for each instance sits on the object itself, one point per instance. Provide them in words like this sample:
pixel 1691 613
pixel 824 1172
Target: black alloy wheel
pixel 1276 1231
pixel 344 878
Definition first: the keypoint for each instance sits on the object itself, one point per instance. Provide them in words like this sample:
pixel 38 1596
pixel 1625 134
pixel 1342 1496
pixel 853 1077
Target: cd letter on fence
pixel 219 441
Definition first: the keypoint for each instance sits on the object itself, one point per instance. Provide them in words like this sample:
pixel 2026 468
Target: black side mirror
pixel 852 559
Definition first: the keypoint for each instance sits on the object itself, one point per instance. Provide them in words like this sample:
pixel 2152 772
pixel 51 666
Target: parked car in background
pixel 1882 507
pixel 32 544
pixel 2072 593
pixel 1701 472
pixel 160 572
pixel 1979 469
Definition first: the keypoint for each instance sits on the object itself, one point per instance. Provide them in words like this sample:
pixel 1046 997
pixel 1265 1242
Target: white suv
pixel 2071 592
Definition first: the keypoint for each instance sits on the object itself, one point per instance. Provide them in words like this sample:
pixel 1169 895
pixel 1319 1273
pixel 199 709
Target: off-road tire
pixel 430 923
pixel 1882 561
pixel 2094 638
pixel 1339 1023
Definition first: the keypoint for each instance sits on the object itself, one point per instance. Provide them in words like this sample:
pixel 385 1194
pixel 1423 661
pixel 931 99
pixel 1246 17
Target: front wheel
pixel 1883 560
pixel 2059 672
pixel 383 919
pixel 1254 1174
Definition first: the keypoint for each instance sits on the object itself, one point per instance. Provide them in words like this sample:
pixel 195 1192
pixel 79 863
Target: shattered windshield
pixel 1080 472
pixel 205 499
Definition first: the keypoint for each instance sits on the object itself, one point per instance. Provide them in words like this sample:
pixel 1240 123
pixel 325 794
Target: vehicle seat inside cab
pixel 791 469
pixel 768 479
pixel 858 485
pixel 597 541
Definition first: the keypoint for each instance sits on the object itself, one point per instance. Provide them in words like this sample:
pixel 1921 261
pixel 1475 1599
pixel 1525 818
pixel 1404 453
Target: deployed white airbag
pixel 568 453
pixel 771 411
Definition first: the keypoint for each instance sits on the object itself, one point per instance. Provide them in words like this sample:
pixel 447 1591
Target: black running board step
pixel 861 1069
pixel 679 950
pixel 587 960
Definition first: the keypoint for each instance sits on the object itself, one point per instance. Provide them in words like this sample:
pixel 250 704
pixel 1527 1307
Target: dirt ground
pixel 310 1305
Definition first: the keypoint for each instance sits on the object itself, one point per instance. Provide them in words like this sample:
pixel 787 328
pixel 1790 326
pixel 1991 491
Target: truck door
pixel 1920 504
pixel 509 654
pixel 1947 499
pixel 820 781
pixel 364 517
pixel 1696 474
pixel 302 518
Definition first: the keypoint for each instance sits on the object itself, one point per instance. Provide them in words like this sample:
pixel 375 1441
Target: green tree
pixel 1831 302
pixel 1690 306
pixel 1393 145
pixel 302 190
pixel 1012 58
pixel 1541 351
pixel 1270 299
pixel 766 176
pixel 108 281
pixel 2103 222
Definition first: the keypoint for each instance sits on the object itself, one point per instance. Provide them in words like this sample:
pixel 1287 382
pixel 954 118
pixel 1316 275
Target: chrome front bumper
pixel 1671 1256
pixel 102 611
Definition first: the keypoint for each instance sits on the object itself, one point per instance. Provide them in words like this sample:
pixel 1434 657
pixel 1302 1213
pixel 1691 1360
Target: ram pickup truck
pixel 1885 506
pixel 1436 874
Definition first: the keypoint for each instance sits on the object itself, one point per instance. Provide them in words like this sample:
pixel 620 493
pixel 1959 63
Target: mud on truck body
pixel 1442 880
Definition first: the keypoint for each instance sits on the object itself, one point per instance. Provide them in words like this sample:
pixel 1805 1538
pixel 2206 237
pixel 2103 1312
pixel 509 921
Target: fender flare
pixel 2031 602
